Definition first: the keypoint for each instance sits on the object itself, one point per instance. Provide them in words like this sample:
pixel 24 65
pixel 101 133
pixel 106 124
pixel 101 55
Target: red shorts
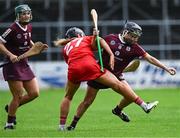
pixel 84 70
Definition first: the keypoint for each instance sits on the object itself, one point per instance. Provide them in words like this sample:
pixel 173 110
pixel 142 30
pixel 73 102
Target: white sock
pixel 143 105
pixel 62 127
pixel 9 124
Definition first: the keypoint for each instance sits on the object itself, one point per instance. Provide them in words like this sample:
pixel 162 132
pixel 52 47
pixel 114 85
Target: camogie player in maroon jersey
pixel 125 47
pixel 15 41
pixel 82 66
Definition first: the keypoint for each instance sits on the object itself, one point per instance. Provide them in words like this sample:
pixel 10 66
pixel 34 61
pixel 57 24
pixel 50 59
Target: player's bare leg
pixel 83 106
pixel 123 103
pixel 71 88
pixel 118 110
pixel 32 90
pixel 110 80
pixel 19 99
pixel 16 88
pixel 88 100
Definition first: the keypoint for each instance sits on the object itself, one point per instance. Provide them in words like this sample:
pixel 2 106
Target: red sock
pixel 138 101
pixel 63 120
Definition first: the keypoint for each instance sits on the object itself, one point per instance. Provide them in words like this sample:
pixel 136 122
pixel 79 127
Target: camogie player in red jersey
pixel 125 48
pixel 82 66
pixel 14 42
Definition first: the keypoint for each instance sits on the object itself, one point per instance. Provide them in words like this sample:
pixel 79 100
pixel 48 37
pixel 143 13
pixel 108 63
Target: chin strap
pixel 123 34
pixel 24 23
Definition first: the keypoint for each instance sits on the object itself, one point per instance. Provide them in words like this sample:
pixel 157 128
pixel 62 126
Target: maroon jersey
pixel 123 53
pixel 17 40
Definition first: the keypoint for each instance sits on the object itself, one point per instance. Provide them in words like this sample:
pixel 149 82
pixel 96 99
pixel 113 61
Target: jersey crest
pixel 117 53
pixel 120 46
pixel 112 42
pixel 128 48
pixel 19 36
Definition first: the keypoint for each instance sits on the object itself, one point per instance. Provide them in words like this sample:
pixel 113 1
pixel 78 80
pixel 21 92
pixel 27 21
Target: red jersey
pixel 79 56
pixel 78 48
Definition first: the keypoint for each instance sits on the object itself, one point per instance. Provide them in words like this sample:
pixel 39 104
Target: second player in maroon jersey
pixel 15 41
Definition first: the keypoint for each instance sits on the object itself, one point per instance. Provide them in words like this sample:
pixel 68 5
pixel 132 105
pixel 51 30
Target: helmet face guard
pixel 74 32
pixel 136 32
pixel 20 9
pixel 133 28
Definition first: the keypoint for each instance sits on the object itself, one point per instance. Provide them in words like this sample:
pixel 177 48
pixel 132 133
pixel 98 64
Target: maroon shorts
pixel 19 71
pixel 97 85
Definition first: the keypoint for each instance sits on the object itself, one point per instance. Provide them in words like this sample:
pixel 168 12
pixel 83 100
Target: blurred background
pixel 159 19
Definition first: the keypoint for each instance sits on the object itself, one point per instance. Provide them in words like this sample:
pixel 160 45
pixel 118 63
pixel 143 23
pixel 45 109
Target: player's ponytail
pixel 61 42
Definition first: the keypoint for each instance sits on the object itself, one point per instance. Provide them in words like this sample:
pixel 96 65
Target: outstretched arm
pixel 157 63
pixel 61 42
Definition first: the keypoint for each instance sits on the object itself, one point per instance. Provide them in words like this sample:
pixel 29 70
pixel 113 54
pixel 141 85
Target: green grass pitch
pixel 40 118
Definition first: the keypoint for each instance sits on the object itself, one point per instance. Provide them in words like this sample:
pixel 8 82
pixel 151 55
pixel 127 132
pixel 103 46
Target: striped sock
pixel 63 120
pixel 138 101
pixel 62 123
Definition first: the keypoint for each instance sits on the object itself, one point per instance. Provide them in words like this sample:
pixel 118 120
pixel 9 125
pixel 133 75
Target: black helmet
pixel 74 32
pixel 133 28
